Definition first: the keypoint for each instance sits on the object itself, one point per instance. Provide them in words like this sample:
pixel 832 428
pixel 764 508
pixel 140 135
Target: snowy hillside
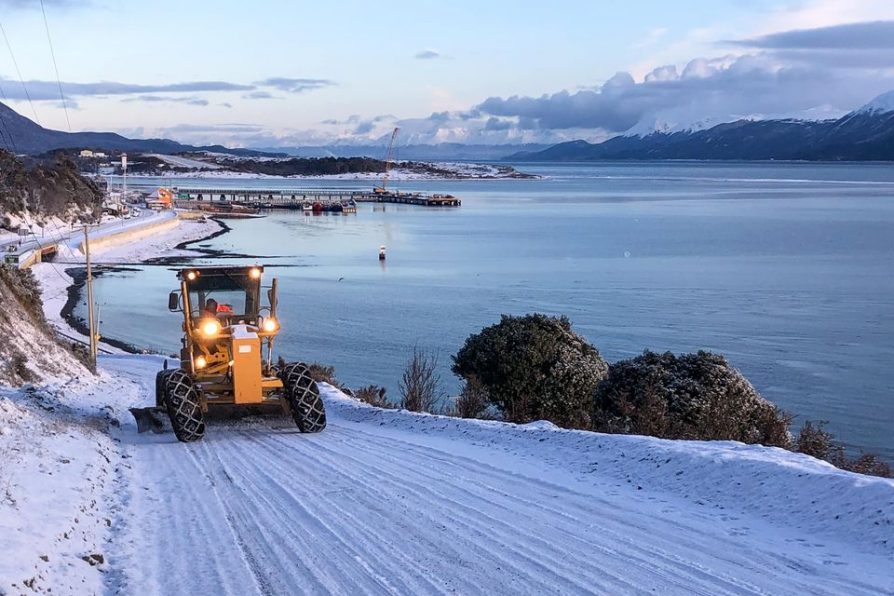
pixel 882 104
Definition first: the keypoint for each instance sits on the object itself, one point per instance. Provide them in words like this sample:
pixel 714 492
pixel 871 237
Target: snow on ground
pixel 56 479
pixel 184 162
pixel 401 503
pixel 386 501
pixel 457 170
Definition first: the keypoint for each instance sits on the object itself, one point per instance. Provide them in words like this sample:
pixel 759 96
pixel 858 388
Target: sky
pixel 296 73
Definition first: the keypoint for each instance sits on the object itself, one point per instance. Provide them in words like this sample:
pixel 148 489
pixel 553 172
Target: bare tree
pixel 420 384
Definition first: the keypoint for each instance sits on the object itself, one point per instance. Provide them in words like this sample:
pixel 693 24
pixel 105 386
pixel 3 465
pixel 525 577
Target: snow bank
pixel 779 486
pixel 55 488
pixel 60 467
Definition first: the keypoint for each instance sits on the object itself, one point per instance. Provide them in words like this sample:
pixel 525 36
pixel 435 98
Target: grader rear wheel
pixel 184 407
pixel 303 395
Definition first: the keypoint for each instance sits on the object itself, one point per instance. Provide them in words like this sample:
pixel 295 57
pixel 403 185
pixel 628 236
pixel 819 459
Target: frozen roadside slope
pixel 55 452
pixel 58 460
pixel 393 502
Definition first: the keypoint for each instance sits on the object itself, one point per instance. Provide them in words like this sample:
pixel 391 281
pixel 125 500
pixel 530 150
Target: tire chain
pixel 184 408
pixel 303 395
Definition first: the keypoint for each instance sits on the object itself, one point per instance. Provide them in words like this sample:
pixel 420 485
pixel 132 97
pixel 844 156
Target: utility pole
pixel 124 193
pixel 90 318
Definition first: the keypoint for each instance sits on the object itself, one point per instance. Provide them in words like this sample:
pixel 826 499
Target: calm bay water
pixel 788 269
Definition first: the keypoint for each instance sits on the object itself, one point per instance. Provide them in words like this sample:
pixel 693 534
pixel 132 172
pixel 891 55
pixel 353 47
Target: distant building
pixel 87 153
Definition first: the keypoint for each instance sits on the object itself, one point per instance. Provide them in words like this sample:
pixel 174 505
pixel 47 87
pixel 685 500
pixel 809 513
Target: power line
pixel 10 142
pixel 55 67
pixel 19 72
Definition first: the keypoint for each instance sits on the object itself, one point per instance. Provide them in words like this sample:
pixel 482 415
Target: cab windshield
pixel 224 295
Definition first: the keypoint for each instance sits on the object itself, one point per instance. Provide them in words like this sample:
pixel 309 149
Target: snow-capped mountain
pixel 866 134
pixel 883 104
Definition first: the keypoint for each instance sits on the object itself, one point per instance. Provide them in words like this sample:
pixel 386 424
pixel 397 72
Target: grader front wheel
pixel 183 405
pixel 303 396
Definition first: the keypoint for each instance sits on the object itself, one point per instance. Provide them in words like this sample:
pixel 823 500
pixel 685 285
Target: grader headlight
pixel 254 273
pixel 269 325
pixel 201 362
pixel 210 328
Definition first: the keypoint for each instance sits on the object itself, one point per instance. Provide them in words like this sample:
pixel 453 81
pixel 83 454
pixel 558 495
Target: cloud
pixel 295 85
pixel 606 108
pixel 497 124
pixel 427 55
pixel 352 119
pixel 193 101
pixel 49 90
pixel 259 95
pixel 875 35
pixel 364 128
pixel 801 72
pixel 240 128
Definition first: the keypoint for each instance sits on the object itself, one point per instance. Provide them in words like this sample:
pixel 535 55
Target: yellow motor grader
pixel 226 358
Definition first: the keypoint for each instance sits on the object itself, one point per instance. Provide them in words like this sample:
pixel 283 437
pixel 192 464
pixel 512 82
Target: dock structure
pixel 296 198
pixel 410 198
pixel 266 197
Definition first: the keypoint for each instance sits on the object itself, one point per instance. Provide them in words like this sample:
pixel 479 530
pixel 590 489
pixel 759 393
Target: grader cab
pixel 226 356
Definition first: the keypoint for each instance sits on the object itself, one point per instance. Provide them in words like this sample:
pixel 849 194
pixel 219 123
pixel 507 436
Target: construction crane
pixel 388 159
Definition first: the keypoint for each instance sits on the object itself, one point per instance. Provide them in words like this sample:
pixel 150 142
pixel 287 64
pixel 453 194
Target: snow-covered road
pixel 393 502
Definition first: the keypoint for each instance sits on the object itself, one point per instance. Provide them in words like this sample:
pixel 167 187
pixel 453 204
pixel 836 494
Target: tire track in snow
pixel 356 510
pixel 510 546
pixel 280 504
pixel 682 537
pixel 537 551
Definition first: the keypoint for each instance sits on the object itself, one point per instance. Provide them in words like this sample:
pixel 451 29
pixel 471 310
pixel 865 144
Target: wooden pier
pixel 282 198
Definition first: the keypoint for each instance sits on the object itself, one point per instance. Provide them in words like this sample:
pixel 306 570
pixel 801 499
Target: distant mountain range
pixel 866 134
pixel 21 135
pixel 436 152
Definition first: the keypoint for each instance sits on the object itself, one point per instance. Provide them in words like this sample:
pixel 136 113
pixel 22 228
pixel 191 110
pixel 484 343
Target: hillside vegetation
pixel 45 189
pixel 30 351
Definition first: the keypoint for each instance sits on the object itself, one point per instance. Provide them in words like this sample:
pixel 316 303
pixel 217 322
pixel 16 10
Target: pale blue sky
pixel 359 58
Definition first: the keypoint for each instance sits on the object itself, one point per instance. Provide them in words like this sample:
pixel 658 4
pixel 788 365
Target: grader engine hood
pixel 246 354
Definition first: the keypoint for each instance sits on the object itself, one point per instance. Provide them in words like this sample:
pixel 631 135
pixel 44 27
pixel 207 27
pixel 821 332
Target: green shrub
pixel 534 367
pixel 693 396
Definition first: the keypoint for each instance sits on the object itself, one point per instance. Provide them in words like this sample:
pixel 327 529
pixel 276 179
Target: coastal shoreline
pixel 61 313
